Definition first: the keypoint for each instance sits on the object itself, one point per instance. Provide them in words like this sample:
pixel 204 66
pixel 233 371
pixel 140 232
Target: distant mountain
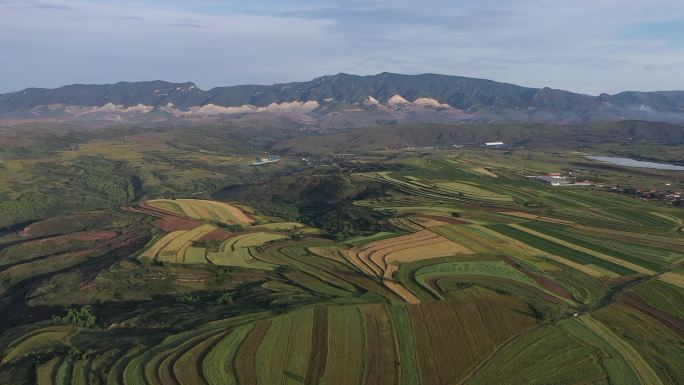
pixel 344 99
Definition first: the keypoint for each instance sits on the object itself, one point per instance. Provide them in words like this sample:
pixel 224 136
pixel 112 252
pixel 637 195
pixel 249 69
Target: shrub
pixel 225 298
pixel 187 299
pixel 234 227
pixel 295 233
pixel 84 318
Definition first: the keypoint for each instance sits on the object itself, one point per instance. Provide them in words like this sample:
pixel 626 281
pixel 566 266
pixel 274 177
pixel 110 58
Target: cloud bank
pixel 585 45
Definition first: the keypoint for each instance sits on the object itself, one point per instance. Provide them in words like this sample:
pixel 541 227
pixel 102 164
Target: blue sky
pixel 589 46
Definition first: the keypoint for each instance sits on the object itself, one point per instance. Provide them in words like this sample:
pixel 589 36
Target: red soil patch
pixel 550 285
pixel 671 322
pixel 450 220
pixel 541 280
pixel 216 235
pixel 94 236
pixel 172 223
pixel 86 236
pixel 168 220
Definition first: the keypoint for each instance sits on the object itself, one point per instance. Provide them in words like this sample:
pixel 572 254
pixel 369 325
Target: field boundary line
pixel 646 374
pixel 672 278
pixel 596 254
pixel 587 269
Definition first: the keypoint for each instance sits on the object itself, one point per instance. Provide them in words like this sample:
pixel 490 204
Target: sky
pixel 587 46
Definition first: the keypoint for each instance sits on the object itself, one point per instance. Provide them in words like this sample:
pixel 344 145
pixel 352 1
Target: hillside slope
pixel 422 98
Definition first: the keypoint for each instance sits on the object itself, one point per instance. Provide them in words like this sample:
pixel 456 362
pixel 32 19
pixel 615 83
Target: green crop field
pixel 286 348
pixel 548 355
pixel 559 250
pixel 345 359
pixel 497 269
pixel 217 364
pixel 561 232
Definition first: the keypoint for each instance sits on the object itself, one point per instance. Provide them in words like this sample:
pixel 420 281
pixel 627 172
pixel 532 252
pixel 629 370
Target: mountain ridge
pixel 451 98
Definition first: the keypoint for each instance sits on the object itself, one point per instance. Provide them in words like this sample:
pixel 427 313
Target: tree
pixel 187 299
pixel 295 233
pixel 84 318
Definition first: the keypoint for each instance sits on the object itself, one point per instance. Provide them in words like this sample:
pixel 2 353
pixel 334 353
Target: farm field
pixel 203 209
pixel 393 267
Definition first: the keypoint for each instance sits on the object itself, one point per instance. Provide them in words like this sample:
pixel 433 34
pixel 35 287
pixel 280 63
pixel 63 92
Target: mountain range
pixel 343 98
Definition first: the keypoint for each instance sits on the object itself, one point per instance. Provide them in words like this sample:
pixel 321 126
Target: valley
pixel 341 192
pixel 136 255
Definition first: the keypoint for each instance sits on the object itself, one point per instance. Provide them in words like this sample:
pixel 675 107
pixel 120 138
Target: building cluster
pixel 557 179
pixel 269 159
pixel 675 198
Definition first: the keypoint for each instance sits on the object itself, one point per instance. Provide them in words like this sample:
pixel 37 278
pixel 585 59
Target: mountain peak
pixel 431 97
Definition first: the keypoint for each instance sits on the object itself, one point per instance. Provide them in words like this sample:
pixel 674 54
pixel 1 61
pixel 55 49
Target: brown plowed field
pixel 452 338
pixel 541 280
pixel 380 361
pixel 245 360
pixel 319 347
pixel 170 223
pixel 216 235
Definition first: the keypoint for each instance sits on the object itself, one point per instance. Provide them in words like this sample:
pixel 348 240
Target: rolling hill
pixel 381 98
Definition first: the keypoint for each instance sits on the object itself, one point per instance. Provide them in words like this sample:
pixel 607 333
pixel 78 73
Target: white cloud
pixel 578 45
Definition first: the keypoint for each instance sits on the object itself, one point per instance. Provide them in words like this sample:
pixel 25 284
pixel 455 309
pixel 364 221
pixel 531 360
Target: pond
pixel 636 163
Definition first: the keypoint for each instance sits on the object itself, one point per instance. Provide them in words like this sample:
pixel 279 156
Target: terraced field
pixel 207 243
pixel 432 276
pixel 382 258
pixel 359 345
pixel 203 209
pixel 176 246
pixel 471 275
pixel 416 191
pixel 607 267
